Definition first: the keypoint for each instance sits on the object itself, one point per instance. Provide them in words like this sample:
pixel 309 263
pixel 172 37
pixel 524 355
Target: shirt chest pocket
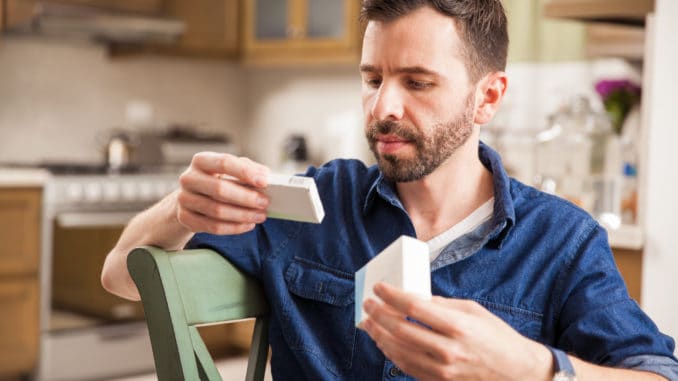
pixel 528 323
pixel 318 319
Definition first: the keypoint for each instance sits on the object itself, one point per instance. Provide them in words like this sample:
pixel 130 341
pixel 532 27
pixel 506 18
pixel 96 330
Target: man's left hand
pixel 465 341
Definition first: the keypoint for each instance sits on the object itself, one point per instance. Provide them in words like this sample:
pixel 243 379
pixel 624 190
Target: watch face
pixel 564 376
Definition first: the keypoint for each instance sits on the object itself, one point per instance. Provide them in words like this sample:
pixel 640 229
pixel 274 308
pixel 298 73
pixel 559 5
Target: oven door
pixel 90 334
pixel 80 243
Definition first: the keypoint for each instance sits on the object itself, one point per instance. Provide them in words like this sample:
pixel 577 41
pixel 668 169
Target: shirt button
pixel 395 371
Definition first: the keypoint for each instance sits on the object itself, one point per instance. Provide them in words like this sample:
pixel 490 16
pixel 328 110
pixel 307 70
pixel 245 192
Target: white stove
pixel 80 204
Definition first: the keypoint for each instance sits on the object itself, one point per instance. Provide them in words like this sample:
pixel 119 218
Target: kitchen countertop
pixel 626 237
pixel 22 177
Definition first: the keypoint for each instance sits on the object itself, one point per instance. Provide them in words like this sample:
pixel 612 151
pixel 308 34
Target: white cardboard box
pixel 404 264
pixel 294 198
pixel 291 198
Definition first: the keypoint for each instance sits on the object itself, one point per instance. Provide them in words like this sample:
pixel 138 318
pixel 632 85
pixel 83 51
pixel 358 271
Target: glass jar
pixel 572 160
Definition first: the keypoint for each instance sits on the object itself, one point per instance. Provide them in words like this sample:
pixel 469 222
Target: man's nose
pixel 388 103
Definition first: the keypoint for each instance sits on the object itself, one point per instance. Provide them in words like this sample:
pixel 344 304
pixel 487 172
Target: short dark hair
pixel 481 25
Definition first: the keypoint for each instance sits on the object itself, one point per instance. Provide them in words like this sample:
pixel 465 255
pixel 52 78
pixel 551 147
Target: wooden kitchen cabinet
pixel 19 325
pixel 614 28
pixel 301 31
pixel 19 282
pixel 630 265
pixel 19 231
pixel 211 26
pixel 211 30
pixel 2 19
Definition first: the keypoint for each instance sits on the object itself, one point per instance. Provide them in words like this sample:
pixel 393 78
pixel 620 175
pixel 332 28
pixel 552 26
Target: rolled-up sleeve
pixel 598 320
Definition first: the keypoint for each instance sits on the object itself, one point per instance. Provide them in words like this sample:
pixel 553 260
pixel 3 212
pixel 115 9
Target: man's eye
pixel 419 85
pixel 373 82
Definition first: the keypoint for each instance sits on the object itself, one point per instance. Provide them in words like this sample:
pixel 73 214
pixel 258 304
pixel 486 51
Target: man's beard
pixel 431 150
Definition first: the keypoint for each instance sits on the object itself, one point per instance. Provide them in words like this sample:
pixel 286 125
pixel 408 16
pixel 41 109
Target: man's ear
pixel 489 93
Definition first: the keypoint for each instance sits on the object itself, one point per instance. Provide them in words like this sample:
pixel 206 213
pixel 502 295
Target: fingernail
pixel 259 218
pixel 369 305
pixel 262 202
pixel 259 181
pixel 378 288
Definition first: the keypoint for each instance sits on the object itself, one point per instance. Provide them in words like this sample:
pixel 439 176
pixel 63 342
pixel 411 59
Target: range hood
pixel 98 24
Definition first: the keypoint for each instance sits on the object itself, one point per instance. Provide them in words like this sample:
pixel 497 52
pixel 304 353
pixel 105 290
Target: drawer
pixel 19 325
pixel 20 230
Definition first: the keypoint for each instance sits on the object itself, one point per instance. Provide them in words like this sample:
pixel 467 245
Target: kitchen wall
pixel 58 100
pixel 322 104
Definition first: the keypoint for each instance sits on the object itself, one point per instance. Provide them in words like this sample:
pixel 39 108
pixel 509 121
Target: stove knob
pixel 74 192
pixel 146 191
pixel 129 191
pixel 111 192
pixel 93 192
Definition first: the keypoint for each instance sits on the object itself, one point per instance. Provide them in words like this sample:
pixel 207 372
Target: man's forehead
pixel 422 40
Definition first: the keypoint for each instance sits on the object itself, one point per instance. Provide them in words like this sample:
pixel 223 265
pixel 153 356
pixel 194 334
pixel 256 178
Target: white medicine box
pixel 404 264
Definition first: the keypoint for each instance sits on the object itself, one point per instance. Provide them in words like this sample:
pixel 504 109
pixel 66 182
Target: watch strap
pixel 561 363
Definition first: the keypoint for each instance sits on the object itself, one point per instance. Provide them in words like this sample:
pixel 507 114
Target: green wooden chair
pixel 184 289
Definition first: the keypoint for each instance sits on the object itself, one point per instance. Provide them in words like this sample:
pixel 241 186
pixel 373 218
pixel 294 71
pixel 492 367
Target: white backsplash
pixel 312 102
pixel 58 100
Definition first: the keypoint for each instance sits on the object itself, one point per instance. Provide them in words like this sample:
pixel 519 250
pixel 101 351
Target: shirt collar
pixel 503 216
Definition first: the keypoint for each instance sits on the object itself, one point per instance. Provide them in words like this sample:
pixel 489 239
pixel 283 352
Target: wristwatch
pixel 564 371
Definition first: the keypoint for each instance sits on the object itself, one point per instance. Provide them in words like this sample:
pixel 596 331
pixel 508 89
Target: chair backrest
pixel 184 289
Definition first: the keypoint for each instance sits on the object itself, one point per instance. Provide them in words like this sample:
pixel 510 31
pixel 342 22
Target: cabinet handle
pixel 94 219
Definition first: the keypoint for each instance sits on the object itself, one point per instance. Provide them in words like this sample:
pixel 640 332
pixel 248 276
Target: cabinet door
pixel 77 259
pixel 301 31
pixel 19 327
pixel 19 231
pixel 16 12
pixel 211 26
pixel 211 30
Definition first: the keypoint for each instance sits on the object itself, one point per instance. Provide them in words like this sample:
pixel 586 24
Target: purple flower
pixel 607 87
pixel 619 96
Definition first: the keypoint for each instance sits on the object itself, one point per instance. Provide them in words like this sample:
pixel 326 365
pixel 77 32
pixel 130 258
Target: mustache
pixel 390 127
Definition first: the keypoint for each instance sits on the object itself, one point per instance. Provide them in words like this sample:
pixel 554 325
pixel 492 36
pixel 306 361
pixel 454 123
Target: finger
pixel 200 223
pixel 243 169
pixel 225 191
pixel 411 361
pixel 465 305
pixel 441 318
pixel 219 211
pixel 416 336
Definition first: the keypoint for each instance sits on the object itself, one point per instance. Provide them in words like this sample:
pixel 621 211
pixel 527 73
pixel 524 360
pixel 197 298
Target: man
pixel 517 273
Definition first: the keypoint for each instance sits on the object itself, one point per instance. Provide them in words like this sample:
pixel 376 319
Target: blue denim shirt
pixel 540 263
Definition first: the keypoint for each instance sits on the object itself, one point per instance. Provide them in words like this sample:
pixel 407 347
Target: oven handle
pixel 94 219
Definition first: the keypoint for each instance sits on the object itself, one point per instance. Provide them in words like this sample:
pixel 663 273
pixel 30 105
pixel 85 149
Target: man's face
pixel 417 97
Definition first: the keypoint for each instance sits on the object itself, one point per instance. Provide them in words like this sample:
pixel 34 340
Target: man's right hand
pixel 205 202
pixel 220 194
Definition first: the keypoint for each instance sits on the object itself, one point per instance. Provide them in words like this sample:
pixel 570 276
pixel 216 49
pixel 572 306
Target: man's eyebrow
pixel 416 70
pixel 368 69
pixel 402 70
